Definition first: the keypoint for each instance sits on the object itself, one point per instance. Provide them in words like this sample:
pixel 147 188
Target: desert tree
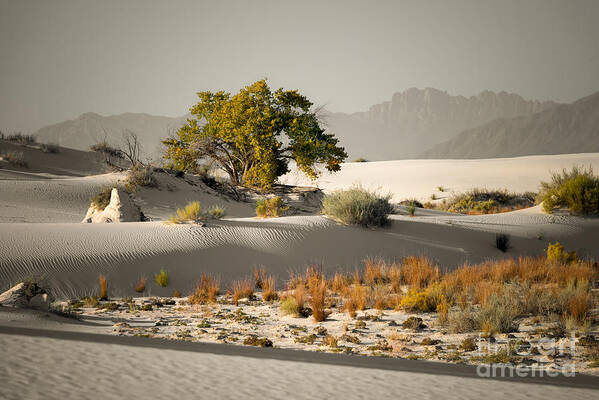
pixel 253 135
pixel 131 149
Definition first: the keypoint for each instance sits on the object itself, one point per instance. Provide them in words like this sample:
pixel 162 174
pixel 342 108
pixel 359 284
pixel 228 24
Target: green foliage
pixel 498 314
pixel 357 206
pixel 555 252
pixel 485 201
pixel 243 135
pixel 192 212
pixel 162 278
pixel 289 306
pixel 104 147
pixel 271 208
pixel 411 210
pixel 216 212
pixel 577 189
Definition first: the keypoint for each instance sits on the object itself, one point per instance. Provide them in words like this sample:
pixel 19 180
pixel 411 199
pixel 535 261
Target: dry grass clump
pixel 206 291
pixel 358 206
pixel 242 289
pixel 140 285
pixel 317 287
pixel 101 200
pixel 216 212
pixel 140 176
pixel 103 287
pixel 104 147
pixel 271 208
pixel 485 201
pixel 16 158
pixel 269 290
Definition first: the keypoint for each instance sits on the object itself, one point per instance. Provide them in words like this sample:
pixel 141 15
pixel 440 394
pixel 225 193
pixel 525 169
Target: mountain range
pixel 415 123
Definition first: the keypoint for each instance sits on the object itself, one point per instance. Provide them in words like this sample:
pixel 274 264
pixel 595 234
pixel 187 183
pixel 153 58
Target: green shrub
pixel 357 206
pixel 16 158
pixel 192 212
pixel 162 278
pixel 462 321
pixel 216 212
pixel 271 208
pixel 577 189
pixel 555 252
pixel 104 147
pixel 502 242
pixel 289 306
pixel 360 159
pixel 485 201
pixel 411 210
pixel 498 314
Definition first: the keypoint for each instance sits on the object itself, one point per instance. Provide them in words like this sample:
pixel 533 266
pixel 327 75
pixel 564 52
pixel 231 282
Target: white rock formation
pixel 120 209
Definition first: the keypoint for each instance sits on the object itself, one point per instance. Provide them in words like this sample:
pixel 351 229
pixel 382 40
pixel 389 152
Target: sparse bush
pixel 269 292
pixel 330 340
pixel 360 159
pixel 414 323
pixel 162 278
pixel 192 212
pixel 206 290
pixel 486 201
pixel 256 341
pixel 90 301
pixel 555 252
pixel 140 176
pixel 51 148
pixel 103 287
pixel 271 208
pixel 16 158
pixel 411 210
pixel 140 285
pixel 289 306
pixel 468 344
pixel 101 200
pixel 216 212
pixel 462 321
pixel 577 189
pixel 104 147
pixel 357 206
pixel 502 242
pixel 498 314
pixel 241 289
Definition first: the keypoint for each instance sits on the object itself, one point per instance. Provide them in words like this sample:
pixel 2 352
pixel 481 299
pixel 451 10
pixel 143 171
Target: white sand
pixel 91 370
pixel 420 178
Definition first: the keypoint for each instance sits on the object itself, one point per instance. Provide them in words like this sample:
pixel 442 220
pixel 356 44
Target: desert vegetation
pixel 101 200
pixel 140 176
pixel 484 201
pixel 271 208
pixel 358 206
pixel 576 189
pixel 20 138
pixel 192 213
pixel 16 158
pixel 51 148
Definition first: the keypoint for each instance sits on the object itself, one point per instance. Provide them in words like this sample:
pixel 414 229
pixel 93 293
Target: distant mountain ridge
pixel 566 128
pixel 91 128
pixel 416 119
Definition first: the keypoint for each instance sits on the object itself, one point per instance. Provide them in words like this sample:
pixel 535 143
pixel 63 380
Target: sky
pixel 59 59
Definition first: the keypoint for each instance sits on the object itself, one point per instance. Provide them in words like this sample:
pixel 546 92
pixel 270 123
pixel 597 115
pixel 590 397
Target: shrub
pixel 206 290
pixel 289 306
pixel 356 298
pixel 498 314
pixel 330 340
pixel 357 206
pixel 103 287
pixel 414 323
pixel 555 252
pixel 260 276
pixel 140 176
pixel 51 148
pixel 414 301
pixel 339 283
pixel 502 241
pixel 192 212
pixel 418 272
pixel 468 344
pixel 162 278
pixel 360 159
pixel 140 285
pixel 16 158
pixel 256 341
pixel 241 289
pixel 216 212
pixel 485 201
pixel 577 189
pixel 101 200
pixel 90 301
pixel 411 210
pixel 271 208
pixel 463 321
pixel 104 147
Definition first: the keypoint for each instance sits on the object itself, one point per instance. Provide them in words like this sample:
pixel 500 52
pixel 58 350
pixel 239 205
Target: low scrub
pixel 358 206
pixel 20 138
pixel 140 285
pixel 192 212
pixel 485 201
pixel 104 147
pixel 271 208
pixel 206 291
pixel 16 158
pixel 101 200
pixel 162 278
pixel 242 289
pixel 50 148
pixel 576 189
pixel 556 253
pixel 140 176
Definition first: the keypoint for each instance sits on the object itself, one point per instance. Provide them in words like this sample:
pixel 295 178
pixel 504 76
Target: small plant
pixel 577 189
pixel 216 212
pixel 289 306
pixel 101 200
pixel 330 340
pixel 440 189
pixel 51 148
pixel 502 242
pixel 140 176
pixel 468 344
pixel 192 212
pixel 242 289
pixel 90 301
pixel 269 291
pixel 21 138
pixel 162 278
pixel 103 287
pixel 357 206
pixel 256 341
pixel 414 323
pixel 318 289
pixel 16 158
pixel 411 210
pixel 433 196
pixel 140 285
pixel 360 159
pixel 176 293
pixel 271 208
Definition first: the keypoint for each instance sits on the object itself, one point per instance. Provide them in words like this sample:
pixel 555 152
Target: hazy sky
pixel 59 59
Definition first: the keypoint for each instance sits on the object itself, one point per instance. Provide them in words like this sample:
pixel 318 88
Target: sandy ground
pixel 419 179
